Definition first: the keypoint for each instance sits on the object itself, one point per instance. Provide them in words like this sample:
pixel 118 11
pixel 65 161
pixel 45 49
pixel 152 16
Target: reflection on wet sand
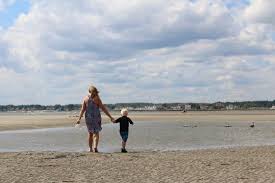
pixel 143 136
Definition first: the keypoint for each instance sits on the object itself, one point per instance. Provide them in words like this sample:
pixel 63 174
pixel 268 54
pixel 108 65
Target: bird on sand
pixel 252 125
pixel 227 125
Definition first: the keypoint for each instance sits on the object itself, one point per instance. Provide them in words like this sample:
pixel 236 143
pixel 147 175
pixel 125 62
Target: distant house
pixel 187 107
pixel 176 108
pixel 204 107
pixel 230 107
pixel 273 107
pixel 219 104
pixel 130 108
pixel 150 108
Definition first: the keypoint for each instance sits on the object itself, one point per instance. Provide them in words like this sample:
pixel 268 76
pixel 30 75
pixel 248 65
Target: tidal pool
pixel 143 136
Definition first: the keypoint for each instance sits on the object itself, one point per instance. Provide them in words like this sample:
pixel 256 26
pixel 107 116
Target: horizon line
pixel 150 103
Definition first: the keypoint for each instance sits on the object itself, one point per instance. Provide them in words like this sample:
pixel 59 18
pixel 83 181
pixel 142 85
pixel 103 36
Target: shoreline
pixel 244 164
pixel 13 121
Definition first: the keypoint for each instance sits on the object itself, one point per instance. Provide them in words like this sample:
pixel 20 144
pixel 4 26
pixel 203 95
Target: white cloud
pixel 158 51
pixel 96 26
pixel 261 11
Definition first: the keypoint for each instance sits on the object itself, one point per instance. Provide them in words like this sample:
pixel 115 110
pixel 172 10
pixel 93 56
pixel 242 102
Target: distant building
pixel 150 108
pixel 273 107
pixel 204 107
pixel 219 104
pixel 130 108
pixel 187 107
pixel 176 108
pixel 230 107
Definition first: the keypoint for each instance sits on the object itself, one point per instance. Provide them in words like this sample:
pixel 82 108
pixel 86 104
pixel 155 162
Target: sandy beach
pixel 253 164
pixel 240 164
pixel 13 121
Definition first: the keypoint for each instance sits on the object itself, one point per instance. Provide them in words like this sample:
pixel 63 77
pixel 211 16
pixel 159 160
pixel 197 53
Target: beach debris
pixel 190 126
pixel 58 156
pixel 227 126
pixel 68 181
pixel 225 164
pixel 243 178
pixel 252 125
pixel 48 165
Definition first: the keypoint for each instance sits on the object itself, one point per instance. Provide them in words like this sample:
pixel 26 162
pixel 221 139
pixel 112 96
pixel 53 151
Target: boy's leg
pixel 124 136
pixel 91 141
pixel 123 144
pixel 96 140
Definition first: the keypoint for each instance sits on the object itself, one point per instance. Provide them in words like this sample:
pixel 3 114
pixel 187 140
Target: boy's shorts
pixel 124 135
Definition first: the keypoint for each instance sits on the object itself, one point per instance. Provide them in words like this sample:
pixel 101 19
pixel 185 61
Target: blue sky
pixel 185 51
pixel 11 12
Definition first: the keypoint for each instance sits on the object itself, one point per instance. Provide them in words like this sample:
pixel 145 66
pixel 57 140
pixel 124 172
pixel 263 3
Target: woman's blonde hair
pixel 93 91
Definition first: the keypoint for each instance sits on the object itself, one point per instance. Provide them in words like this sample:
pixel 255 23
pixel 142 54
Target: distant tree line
pixel 57 107
pixel 253 104
pixel 245 105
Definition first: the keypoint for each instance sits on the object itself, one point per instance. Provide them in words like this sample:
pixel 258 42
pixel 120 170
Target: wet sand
pixel 253 164
pixel 245 164
pixel 12 121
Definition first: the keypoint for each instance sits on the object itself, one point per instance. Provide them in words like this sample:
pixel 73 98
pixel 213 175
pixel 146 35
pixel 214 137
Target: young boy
pixel 124 127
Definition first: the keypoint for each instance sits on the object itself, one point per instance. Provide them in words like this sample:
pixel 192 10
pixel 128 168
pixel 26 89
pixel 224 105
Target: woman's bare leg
pixel 96 140
pixel 91 139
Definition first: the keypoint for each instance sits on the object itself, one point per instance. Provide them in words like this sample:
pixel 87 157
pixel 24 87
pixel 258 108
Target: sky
pixel 136 51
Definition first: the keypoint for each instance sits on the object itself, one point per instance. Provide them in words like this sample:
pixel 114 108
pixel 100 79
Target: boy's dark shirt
pixel 124 123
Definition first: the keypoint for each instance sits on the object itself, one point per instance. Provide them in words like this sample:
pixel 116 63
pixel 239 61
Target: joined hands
pixel 113 119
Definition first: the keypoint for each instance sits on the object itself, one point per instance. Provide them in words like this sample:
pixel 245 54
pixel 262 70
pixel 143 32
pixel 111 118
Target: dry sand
pixel 11 121
pixel 253 164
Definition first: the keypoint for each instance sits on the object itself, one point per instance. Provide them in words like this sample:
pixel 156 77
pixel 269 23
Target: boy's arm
pixel 130 121
pixel 117 120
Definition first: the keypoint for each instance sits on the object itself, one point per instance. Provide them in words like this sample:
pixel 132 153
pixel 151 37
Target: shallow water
pixel 143 136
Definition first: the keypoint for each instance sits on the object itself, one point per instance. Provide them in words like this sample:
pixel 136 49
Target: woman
pixel 90 106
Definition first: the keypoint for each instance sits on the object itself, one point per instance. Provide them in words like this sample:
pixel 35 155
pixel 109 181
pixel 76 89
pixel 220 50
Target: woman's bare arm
pixel 103 107
pixel 83 109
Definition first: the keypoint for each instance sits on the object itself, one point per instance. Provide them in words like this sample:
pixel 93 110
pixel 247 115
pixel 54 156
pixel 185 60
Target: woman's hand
pixel 78 121
pixel 112 119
